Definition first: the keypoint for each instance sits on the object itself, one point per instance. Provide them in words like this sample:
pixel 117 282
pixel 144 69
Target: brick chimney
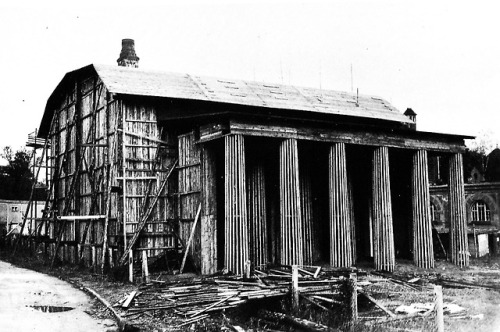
pixel 128 58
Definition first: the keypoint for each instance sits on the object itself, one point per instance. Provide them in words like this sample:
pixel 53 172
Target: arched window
pixel 480 212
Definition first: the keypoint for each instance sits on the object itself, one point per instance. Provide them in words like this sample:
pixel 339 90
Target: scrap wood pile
pixel 195 300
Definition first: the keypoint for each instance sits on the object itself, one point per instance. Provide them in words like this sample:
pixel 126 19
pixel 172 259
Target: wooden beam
pixel 409 140
pixel 152 139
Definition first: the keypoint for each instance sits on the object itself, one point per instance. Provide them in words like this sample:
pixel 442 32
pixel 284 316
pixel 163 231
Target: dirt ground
pixel 477 292
pixel 32 301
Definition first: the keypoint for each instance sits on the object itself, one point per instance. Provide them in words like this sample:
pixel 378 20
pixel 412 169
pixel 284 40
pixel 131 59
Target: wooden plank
pixel 129 299
pixel 378 304
pixel 190 238
pixel 145 137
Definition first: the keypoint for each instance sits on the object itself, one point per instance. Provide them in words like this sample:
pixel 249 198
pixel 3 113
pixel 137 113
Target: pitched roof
pixel 132 81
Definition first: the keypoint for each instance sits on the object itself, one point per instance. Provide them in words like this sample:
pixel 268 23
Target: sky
pixel 440 58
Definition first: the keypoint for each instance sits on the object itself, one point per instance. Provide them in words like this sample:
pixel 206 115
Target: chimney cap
pixel 409 112
pixel 128 57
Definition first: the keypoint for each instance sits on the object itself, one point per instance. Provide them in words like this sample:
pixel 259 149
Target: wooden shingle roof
pixel 132 81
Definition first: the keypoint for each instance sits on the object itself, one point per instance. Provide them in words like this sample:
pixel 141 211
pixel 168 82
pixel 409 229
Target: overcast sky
pixel 441 58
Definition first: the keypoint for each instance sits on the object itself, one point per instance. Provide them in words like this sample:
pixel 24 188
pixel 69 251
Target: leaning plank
pixel 129 299
pixel 213 305
pixel 190 238
pixel 145 217
pixel 145 137
pixel 378 304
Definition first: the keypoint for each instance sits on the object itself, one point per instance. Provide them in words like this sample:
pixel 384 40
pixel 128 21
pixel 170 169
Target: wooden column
pixel 309 240
pixel 257 217
pixel 291 245
pixel 423 251
pixel 383 234
pixel 340 215
pixel 236 223
pixel 208 220
pixel 458 226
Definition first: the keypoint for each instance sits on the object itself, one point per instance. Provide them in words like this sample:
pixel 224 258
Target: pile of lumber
pixel 196 299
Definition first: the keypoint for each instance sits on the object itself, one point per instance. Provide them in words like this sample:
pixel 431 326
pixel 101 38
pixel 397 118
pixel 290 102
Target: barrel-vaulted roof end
pixel 133 81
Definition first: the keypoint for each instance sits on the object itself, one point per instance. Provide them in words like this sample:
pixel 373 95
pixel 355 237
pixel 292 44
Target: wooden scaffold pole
pixel 382 211
pixel 236 221
pixel 423 251
pixel 291 245
pixel 341 253
pixel 458 226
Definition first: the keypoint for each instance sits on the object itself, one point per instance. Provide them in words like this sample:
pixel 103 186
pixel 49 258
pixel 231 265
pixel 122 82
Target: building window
pixel 480 212
pixel 434 214
pixel 14 208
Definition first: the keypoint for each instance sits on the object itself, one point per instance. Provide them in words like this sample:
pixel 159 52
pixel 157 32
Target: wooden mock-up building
pixel 266 172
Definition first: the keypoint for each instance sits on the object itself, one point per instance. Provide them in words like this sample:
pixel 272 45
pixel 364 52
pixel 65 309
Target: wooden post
pixel 423 251
pixel 78 253
pixel 291 245
pixel 382 212
pixel 248 267
pixel 352 285
pixel 438 302
pixel 111 262
pixel 257 214
pixel 458 226
pixel 340 216
pixel 295 287
pixel 131 265
pixel 208 226
pixel 235 205
pixel 145 269
pixel 94 259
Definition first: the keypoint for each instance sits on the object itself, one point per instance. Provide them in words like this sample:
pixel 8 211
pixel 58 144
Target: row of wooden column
pixel 246 234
